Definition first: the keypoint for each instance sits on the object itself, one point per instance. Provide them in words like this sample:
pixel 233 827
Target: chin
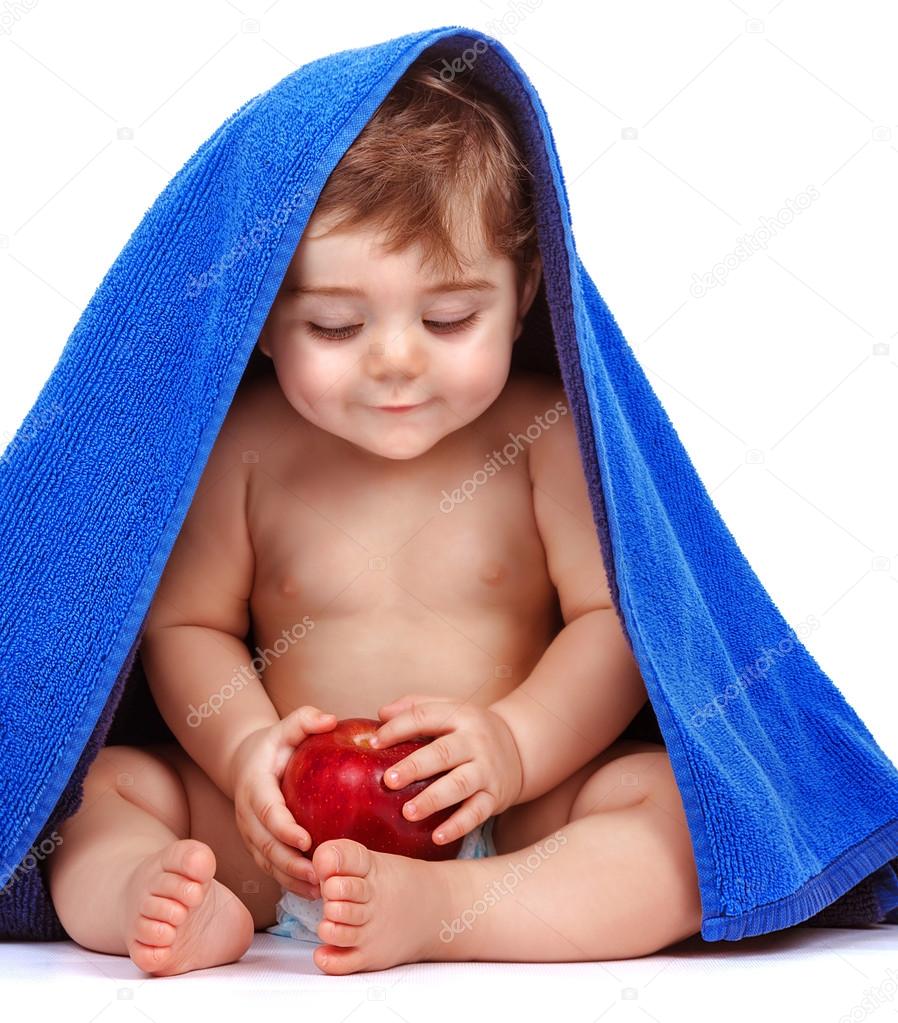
pixel 399 453
pixel 401 447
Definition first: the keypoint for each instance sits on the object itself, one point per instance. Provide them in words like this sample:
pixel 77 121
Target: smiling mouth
pixel 400 408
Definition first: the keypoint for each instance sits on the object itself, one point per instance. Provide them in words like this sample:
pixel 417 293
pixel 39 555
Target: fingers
pixel 432 717
pixel 305 889
pixel 266 801
pixel 282 824
pixel 403 703
pixel 436 757
pixel 303 721
pixel 291 870
pixel 474 811
pixel 280 854
pixel 272 830
pixel 452 788
pixel 406 702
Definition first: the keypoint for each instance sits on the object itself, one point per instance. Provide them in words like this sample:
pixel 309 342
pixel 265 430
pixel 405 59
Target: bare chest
pixel 459 538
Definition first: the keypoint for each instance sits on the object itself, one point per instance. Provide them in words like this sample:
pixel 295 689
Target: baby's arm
pixel 197 664
pixel 587 687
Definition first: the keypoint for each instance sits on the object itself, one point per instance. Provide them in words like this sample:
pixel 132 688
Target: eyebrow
pixel 459 284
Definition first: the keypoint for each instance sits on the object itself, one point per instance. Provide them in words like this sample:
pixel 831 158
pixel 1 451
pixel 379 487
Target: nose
pixel 397 355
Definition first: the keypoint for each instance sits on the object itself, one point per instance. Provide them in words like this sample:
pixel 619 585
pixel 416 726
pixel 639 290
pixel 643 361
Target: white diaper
pixel 299 918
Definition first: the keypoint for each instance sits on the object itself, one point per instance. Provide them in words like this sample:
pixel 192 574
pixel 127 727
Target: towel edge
pixel 847 870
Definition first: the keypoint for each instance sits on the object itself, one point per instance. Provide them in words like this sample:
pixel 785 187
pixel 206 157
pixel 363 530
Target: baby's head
pixel 414 274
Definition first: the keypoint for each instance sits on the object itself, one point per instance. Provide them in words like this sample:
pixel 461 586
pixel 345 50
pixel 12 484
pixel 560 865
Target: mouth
pixel 401 408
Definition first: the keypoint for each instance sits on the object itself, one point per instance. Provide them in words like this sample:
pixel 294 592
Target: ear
pixel 528 292
pixel 262 343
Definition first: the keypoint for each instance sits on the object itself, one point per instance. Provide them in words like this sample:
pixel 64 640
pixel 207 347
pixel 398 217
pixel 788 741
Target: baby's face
pixel 354 330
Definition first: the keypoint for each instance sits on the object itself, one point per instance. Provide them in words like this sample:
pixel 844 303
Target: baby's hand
pixel 474 745
pixel 266 825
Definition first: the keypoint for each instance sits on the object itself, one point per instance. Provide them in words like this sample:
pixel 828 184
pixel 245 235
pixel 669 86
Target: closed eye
pixel 332 333
pixel 344 333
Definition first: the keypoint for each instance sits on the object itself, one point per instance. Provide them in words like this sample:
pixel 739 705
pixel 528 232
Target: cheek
pixel 312 372
pixel 481 374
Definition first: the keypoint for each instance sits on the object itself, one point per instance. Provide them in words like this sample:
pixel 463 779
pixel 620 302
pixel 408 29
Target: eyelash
pixel 338 333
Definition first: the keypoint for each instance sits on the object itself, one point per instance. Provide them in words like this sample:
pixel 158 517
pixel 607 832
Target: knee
pixel 668 900
pixel 623 781
pixel 145 779
pixel 125 768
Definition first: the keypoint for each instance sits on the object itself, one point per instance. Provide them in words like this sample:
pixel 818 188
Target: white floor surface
pixel 801 974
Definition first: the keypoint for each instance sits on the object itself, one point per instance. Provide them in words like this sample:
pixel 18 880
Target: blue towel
pixel 792 806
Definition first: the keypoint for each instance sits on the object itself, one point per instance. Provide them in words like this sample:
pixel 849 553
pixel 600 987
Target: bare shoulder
pixel 208 576
pixel 255 417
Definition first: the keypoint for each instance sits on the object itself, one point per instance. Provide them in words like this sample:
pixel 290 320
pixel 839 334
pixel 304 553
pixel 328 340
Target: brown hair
pixel 434 154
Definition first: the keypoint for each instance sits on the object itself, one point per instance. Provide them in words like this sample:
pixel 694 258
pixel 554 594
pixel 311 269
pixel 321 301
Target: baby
pixel 400 526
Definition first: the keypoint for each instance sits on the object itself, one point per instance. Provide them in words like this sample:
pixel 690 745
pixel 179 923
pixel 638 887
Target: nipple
pixel 492 572
pixel 288 586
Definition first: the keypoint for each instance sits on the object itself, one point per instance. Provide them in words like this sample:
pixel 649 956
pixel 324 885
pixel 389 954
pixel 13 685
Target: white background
pixel 681 128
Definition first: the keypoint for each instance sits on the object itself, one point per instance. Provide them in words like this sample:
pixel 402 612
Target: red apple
pixel 333 785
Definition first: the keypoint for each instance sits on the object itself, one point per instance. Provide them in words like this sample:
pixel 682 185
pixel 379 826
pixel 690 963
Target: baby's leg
pixel 128 880
pixel 606 871
pixel 622 884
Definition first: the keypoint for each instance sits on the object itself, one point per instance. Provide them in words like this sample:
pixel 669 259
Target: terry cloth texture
pixel 791 804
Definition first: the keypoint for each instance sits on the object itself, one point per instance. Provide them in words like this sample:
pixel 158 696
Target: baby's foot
pixel 380 910
pixel 177 917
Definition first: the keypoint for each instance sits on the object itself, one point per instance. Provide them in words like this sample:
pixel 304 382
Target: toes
pixel 154 932
pixel 338 961
pixel 149 957
pixel 354 913
pixel 177 886
pixel 341 856
pixel 338 934
pixel 346 887
pixel 191 858
pixel 168 911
